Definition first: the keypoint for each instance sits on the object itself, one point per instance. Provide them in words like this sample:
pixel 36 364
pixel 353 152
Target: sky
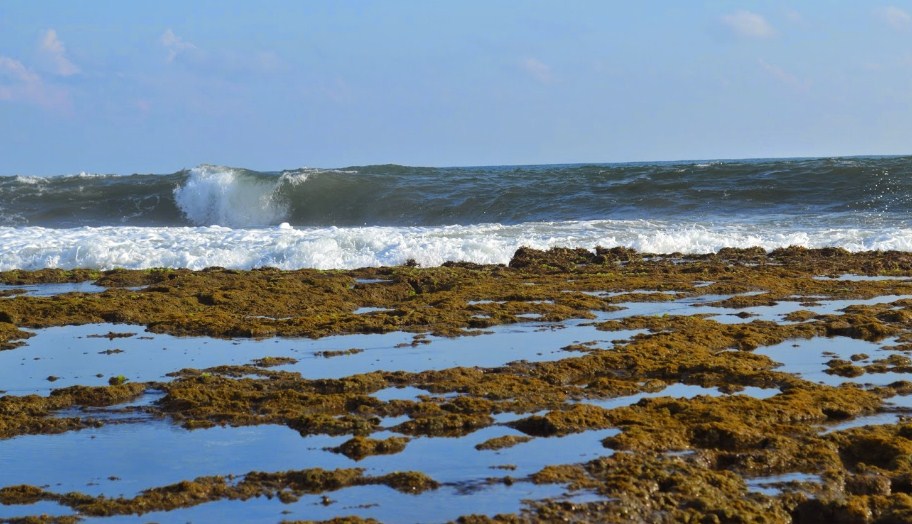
pixel 158 86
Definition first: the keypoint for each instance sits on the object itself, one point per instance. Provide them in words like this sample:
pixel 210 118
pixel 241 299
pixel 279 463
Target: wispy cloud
pixel 538 69
pixel 749 25
pixel 175 45
pixel 894 17
pixel 219 62
pixel 784 76
pixel 54 51
pixel 15 79
pixel 18 83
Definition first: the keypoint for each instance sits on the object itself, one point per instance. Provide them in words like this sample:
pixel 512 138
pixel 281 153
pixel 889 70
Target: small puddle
pixel 391 422
pixel 680 306
pixel 124 459
pixel 384 504
pixel 830 307
pixel 128 412
pixel 725 315
pixel 900 401
pixel 877 419
pixel 85 355
pixel 403 393
pixel 773 485
pixel 509 416
pixel 368 310
pixel 848 277
pixel 612 294
pixel 808 359
pixel 44 507
pixel 50 290
pixel 499 345
pixel 455 460
pixel 680 391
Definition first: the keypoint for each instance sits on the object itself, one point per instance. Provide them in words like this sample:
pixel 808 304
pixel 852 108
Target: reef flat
pixel 739 386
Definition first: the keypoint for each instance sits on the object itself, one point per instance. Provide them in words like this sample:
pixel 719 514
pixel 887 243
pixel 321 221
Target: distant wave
pixel 851 191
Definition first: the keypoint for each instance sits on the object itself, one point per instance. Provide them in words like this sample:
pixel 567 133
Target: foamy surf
pixel 229 197
pixel 287 247
pixel 381 215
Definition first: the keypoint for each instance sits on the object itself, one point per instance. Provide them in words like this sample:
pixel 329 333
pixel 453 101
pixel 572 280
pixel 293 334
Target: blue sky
pixel 123 87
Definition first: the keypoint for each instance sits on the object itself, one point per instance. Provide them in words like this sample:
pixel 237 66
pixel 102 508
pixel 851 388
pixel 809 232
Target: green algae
pixel 359 447
pixel 503 442
pixel 650 487
pixel 43 519
pixel 338 352
pixel 271 362
pixel 11 337
pixel 32 414
pixel 443 300
pixel 48 276
pixel 338 520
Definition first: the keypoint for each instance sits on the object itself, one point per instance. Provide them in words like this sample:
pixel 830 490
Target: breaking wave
pixel 871 189
pixel 384 215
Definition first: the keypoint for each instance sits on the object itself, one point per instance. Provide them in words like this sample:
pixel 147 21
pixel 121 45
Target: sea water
pixel 385 215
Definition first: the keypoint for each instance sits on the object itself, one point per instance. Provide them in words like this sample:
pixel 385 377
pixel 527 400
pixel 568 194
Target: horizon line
pixel 468 166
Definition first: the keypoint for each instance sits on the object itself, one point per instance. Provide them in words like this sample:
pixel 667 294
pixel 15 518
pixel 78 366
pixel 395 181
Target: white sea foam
pixel 290 248
pixel 294 177
pixel 30 180
pixel 225 196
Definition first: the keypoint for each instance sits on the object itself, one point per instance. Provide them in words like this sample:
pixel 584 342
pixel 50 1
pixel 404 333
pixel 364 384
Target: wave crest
pixel 218 195
pixel 863 191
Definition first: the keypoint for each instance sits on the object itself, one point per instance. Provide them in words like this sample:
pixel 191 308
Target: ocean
pixel 377 215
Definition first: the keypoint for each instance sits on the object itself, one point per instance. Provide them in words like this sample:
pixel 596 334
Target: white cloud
pixel 894 17
pixel 748 24
pixel 17 71
pixel 18 83
pixel 785 77
pixel 53 49
pixel 538 69
pixel 217 62
pixel 175 44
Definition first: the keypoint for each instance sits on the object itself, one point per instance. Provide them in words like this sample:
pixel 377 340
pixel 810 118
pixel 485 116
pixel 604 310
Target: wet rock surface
pixel 671 459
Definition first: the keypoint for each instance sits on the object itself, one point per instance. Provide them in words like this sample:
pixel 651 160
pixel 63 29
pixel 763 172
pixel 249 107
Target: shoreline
pixel 703 321
pixel 350 248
